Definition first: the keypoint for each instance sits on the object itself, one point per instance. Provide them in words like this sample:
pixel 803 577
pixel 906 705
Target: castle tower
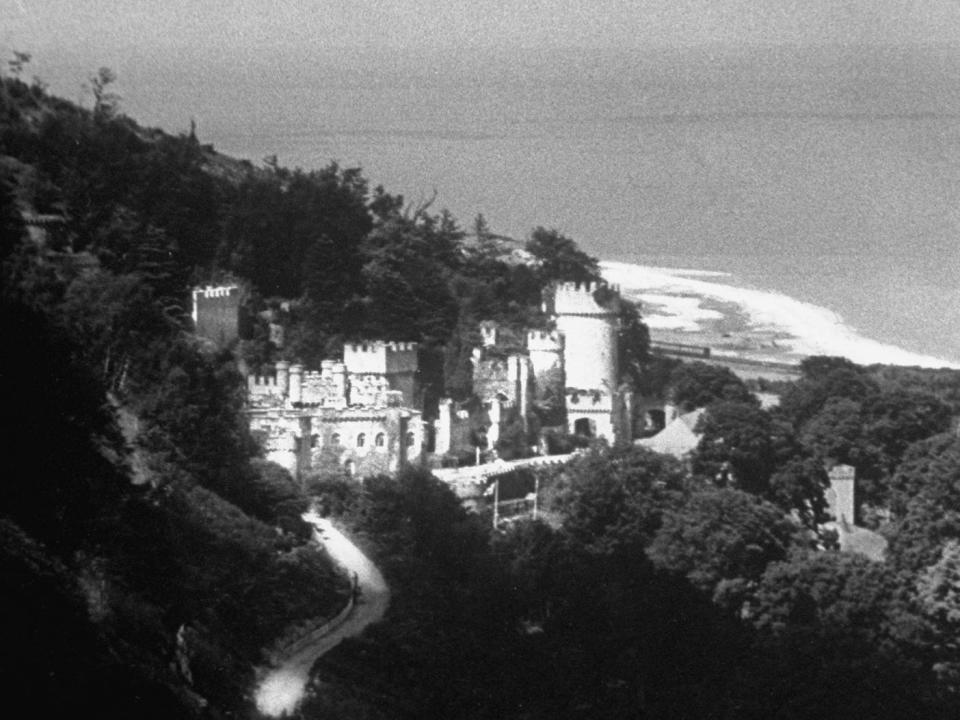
pixel 216 313
pixel 396 361
pixel 295 393
pixel 283 377
pixel 587 315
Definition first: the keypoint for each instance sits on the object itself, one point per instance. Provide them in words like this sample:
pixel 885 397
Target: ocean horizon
pixel 830 175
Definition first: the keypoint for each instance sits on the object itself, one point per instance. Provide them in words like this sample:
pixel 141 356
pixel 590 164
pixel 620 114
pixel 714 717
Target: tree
pixel 824 378
pixel 721 534
pixel 12 229
pixel 697 384
pixel 407 270
pixel 836 433
pixel 742 446
pixel 18 62
pixel 799 486
pixel 633 345
pixel 925 498
pixel 65 434
pixel 612 501
pixel 105 102
pixel 898 418
pixel 275 497
pixel 938 590
pixel 839 630
pixel 559 259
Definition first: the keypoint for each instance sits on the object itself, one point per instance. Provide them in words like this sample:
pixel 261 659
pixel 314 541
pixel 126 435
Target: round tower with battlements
pixel 587 315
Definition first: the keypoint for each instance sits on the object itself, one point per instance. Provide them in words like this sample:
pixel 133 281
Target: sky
pixel 109 26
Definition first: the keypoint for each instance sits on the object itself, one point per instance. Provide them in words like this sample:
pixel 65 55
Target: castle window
pixel 335 439
pixel 361 440
pixel 380 440
pixel 314 440
pixel 410 439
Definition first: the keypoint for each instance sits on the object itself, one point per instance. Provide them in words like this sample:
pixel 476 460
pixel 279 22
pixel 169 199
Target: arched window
pixel 410 439
pixel 335 439
pixel 380 440
pixel 361 440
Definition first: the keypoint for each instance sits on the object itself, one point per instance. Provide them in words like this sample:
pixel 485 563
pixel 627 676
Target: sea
pixel 829 175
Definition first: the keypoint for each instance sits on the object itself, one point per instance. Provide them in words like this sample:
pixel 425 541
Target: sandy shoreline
pixel 696 307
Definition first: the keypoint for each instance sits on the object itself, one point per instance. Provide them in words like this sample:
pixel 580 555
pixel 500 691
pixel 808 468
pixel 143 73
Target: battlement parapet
pixel 262 384
pixel 369 390
pixel 380 346
pixel 379 356
pixel 581 298
pixel 544 341
pixel 215 291
pixel 326 387
pixel 264 391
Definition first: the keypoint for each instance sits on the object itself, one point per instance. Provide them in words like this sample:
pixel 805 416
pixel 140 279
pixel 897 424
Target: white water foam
pixel 813 330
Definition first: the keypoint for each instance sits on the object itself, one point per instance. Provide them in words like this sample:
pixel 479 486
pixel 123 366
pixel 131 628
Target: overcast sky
pixel 106 26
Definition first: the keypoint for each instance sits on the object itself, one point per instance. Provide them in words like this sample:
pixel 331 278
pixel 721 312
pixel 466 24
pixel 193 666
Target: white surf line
pixel 813 330
pixel 282 689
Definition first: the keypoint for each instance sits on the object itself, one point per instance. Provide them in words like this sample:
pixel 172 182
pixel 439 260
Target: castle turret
pixel 587 315
pixel 283 377
pixel 488 333
pixel 295 394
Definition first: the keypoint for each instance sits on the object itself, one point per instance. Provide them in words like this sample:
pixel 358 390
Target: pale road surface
pixel 283 688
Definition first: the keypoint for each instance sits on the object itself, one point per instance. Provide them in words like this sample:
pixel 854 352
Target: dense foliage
pixel 647 594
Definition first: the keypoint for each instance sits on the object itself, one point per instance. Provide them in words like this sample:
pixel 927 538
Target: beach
pixel 704 308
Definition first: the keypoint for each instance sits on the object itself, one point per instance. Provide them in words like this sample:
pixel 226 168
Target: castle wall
pixel 327 388
pixel 216 313
pixel 545 350
pixel 452 429
pixel 327 439
pixel 593 410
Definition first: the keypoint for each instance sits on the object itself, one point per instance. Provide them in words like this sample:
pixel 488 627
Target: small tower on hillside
pixel 216 313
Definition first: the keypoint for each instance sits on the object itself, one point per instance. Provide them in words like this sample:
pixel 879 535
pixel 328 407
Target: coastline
pixel 698 307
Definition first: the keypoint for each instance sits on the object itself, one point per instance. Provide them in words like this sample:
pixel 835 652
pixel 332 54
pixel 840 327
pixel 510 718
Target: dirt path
pixel 283 687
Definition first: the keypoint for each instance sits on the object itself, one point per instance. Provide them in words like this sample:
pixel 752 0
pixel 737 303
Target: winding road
pixel 282 689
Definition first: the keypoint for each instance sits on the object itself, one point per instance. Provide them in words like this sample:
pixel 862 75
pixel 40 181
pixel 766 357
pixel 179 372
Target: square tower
pixel 397 362
pixel 216 313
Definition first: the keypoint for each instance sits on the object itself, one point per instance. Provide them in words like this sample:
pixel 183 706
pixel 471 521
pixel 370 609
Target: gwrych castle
pixel 360 412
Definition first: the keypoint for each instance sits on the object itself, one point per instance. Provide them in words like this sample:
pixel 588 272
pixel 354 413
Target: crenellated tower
pixel 216 313
pixel 397 362
pixel 588 317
